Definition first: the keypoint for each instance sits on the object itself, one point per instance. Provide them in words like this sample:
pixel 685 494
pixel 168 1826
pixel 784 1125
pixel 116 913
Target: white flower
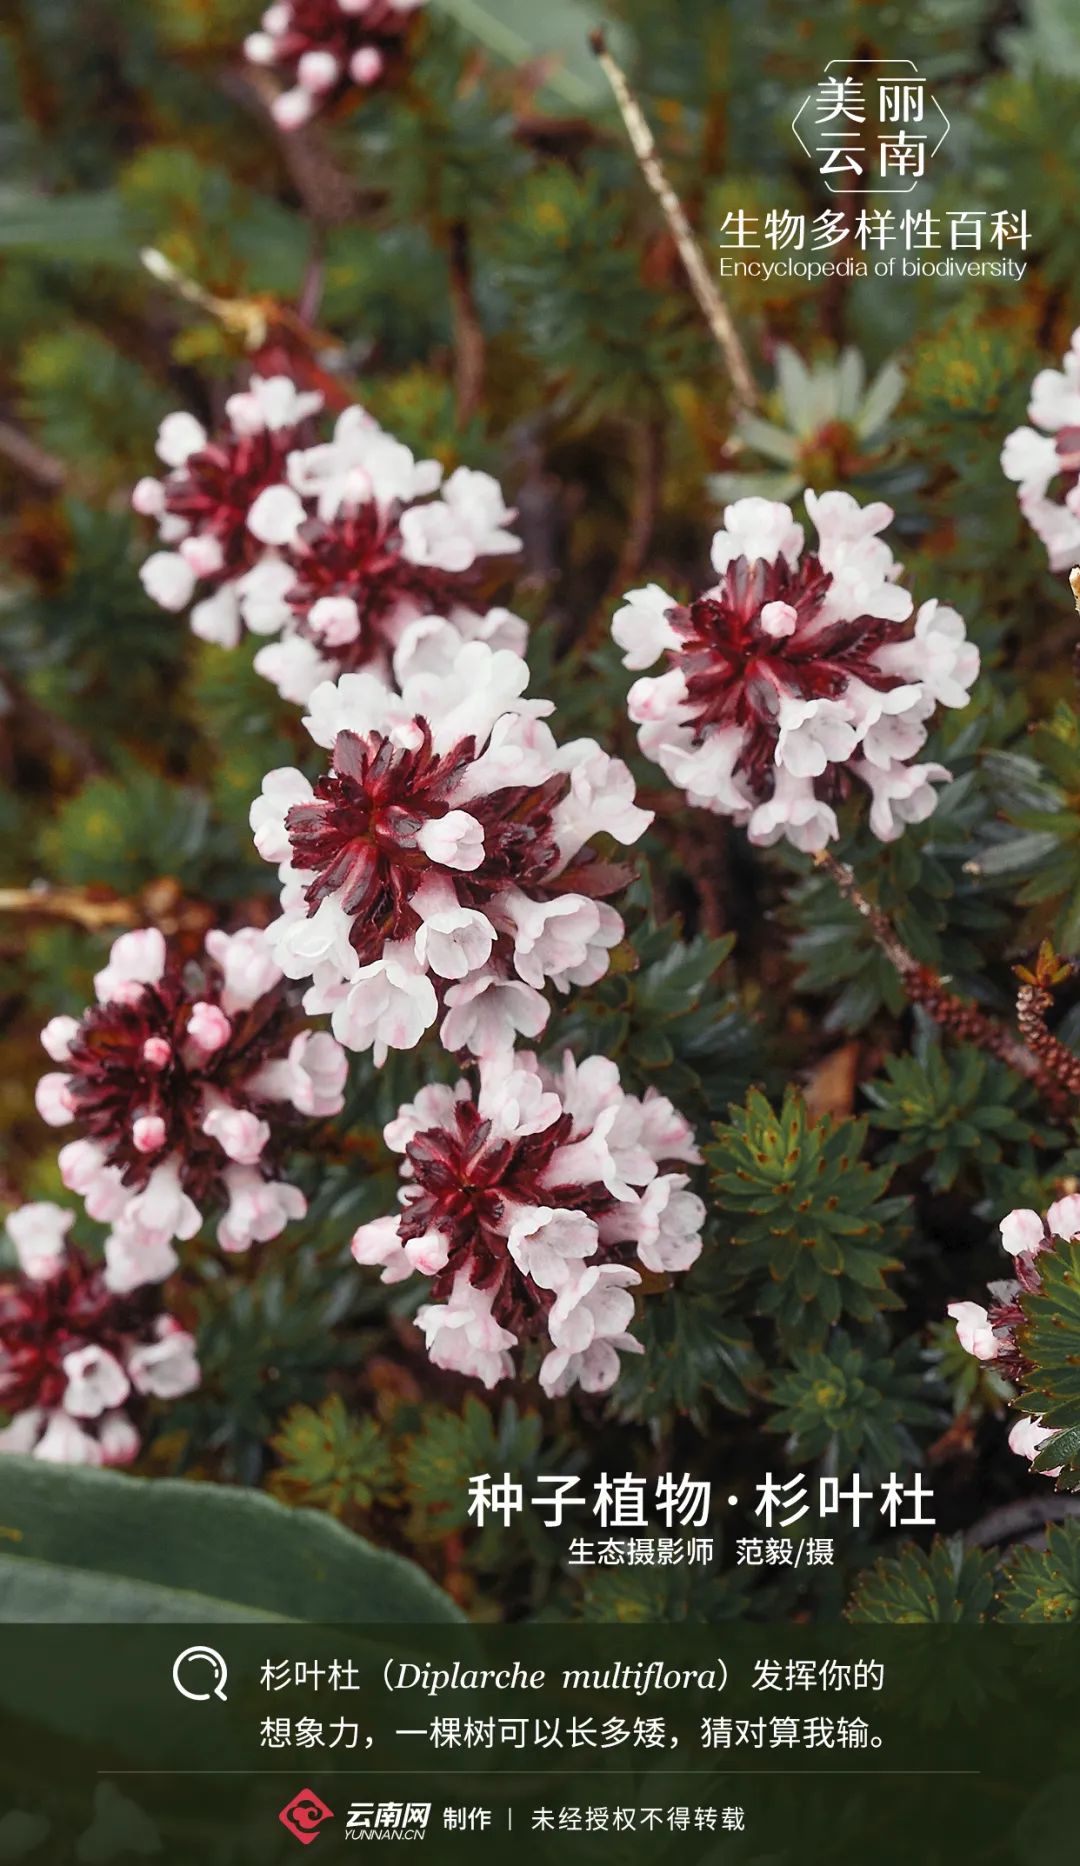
pixel 902 794
pixel 484 1014
pixel 795 811
pixel 276 515
pixel 52 1098
pixel 973 1330
pixel 938 654
pixel 136 958
pixel 588 1324
pixel 642 627
pixel 600 800
pixel 84 1169
pixel 1023 1231
pixel 167 1368
pixel 378 1245
pixel 259 1209
pixel 463 1336
pixel 756 528
pixel 455 840
pixel 168 580
pixel 548 1245
pixel 451 941
pixel 131 1264
pixel 388 1005
pixel 217 618
pixel 1027 1438
pixel 248 964
pixel 239 1133
pixel 39 1232
pixel 670 1220
pixel 96 1382
pixel 1063 1217
pixel 57 1037
pixel 312 1075
pixel 813 735
pixel 788 666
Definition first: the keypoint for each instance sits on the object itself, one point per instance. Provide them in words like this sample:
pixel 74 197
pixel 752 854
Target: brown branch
pixel 327 193
pixel 959 1016
pixel 1032 1004
pixel 69 904
pixel 647 458
pixel 705 289
pixel 470 348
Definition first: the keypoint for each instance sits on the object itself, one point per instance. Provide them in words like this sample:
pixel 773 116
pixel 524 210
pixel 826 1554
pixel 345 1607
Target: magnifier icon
pixel 190 1664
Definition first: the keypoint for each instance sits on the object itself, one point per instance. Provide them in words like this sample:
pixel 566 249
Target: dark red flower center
pixel 358 555
pixel 42 1322
pixel 359 836
pixel 464 1179
pixel 737 667
pixel 216 488
pixel 321 26
pixel 133 1060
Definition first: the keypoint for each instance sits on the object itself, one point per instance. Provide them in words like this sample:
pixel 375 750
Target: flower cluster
pixel 442 862
pixel 797 673
pixel 990 1334
pixel 345 550
pixel 184 1081
pixel 528 1200
pixel 326 45
pixel 76 1356
pixel 1046 464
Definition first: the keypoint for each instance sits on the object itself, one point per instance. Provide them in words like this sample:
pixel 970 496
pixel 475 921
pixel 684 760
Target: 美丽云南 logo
pixel 387 1820
pixel 871 125
pixel 305 1815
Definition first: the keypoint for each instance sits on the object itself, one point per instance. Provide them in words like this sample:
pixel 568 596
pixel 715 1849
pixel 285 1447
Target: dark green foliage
pixel 920 1587
pixel 696 1351
pixel 1041 1585
pixel 805 1215
pixel 855 1406
pixel 1050 1343
pixel 331 1461
pixel 952 1111
pixel 473 254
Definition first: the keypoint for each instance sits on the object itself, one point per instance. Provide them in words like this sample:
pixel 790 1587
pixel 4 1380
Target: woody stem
pixel 704 286
pixel 964 1020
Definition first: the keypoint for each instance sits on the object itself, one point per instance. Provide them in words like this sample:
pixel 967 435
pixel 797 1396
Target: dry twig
pixel 705 289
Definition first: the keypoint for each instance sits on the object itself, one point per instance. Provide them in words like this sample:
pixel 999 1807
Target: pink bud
pixel 53 1099
pixel 157 1053
pixel 148 498
pixel 202 553
pixel 318 71
pixel 208 1027
pixel 148 1133
pixel 779 619
pixel 366 65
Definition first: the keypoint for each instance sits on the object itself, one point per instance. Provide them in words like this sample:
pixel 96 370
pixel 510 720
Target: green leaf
pixel 922 1587
pixel 519 32
pixel 805 1213
pixel 85 1545
pixel 1044 1584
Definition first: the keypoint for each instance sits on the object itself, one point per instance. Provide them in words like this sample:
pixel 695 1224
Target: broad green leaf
pixel 84 1545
